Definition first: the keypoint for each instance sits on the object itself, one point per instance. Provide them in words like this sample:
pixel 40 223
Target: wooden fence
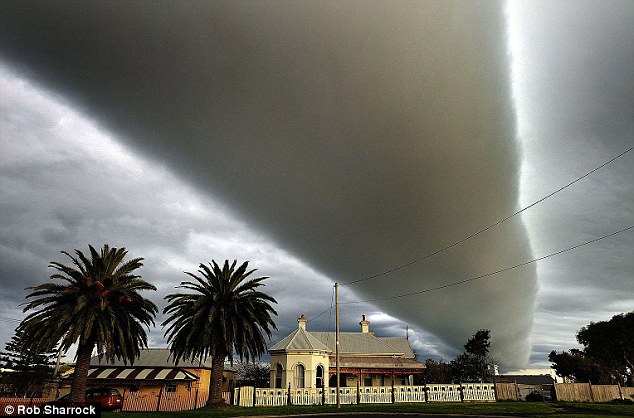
pixel 472 392
pixel 507 392
pixel 587 392
pixel 161 402
pixel 132 401
pixel 166 402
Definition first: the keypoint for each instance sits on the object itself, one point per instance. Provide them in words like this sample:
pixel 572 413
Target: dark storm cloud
pixel 66 184
pixel 360 135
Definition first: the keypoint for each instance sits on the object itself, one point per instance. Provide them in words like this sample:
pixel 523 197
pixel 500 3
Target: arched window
pixel 320 377
pixel 278 376
pixel 299 376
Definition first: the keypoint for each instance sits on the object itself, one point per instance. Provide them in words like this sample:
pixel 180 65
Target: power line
pixel 432 289
pixel 400 267
pixel 332 302
pixel 323 312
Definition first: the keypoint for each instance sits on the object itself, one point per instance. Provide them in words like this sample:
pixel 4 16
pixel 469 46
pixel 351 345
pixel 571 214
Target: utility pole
pixel 337 343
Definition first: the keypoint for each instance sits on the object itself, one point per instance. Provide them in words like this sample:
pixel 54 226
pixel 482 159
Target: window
pixel 319 380
pixel 367 380
pixel 278 376
pixel 170 388
pixel 299 376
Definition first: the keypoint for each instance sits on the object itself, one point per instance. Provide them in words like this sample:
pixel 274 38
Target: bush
pixel 535 397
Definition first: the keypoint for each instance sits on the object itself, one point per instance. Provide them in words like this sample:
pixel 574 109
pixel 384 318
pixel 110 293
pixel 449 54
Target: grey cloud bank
pixel 358 137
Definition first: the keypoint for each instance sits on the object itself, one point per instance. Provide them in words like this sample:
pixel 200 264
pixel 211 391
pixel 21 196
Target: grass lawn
pixel 524 409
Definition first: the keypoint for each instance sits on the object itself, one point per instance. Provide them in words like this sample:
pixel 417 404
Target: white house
pixel 306 359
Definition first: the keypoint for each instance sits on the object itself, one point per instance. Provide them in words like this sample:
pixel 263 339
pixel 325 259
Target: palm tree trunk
pixel 215 380
pixel 80 376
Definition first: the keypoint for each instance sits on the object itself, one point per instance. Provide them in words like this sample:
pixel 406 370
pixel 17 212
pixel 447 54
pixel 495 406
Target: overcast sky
pixel 329 141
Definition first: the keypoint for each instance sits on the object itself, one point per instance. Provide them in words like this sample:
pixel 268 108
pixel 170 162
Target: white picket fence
pixel 468 392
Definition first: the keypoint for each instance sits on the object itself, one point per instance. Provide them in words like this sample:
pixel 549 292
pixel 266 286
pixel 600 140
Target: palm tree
pixel 226 314
pixel 98 306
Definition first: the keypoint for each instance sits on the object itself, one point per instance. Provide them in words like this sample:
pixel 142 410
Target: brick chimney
pixel 301 322
pixel 365 325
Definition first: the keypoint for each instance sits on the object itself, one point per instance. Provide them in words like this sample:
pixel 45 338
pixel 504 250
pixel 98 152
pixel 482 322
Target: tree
pixel 578 367
pixel 437 371
pixel 253 374
pixel 475 363
pixel 29 369
pixel 225 314
pixel 478 345
pixel 612 344
pixel 99 307
pixel 608 353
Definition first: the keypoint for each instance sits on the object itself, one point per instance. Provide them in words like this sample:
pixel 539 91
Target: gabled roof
pixel 300 339
pixel 350 343
pixel 358 343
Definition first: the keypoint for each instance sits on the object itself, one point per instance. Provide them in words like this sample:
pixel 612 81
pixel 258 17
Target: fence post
pixel 425 390
pixel 620 391
pixel 289 400
pixel 393 398
pixel 517 392
pixel 254 396
pixel 158 402
pixel 460 391
pixel 358 394
pixel 196 399
pixel 323 395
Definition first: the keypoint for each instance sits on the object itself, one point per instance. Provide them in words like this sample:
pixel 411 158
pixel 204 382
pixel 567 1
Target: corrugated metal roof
pixel 299 340
pixel 400 344
pixel 350 343
pixel 153 357
pixel 356 343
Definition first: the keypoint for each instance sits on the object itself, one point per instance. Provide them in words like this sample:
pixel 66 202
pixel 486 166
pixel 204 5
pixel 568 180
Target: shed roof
pixel 154 357
pixel 528 379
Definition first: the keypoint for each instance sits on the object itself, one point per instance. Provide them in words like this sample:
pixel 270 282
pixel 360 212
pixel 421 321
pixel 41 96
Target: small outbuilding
pixel 154 378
